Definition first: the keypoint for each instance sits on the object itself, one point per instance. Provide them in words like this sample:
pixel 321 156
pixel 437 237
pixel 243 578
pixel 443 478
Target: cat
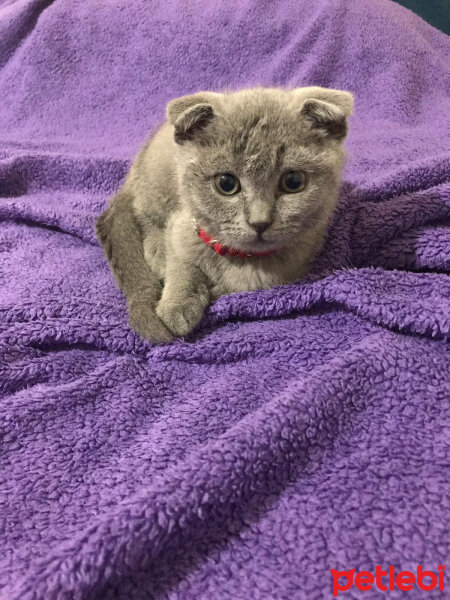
pixel 233 193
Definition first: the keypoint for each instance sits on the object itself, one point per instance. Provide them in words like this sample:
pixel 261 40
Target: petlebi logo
pixel 388 580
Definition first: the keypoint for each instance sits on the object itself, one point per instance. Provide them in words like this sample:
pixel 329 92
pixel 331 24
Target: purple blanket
pixel 301 429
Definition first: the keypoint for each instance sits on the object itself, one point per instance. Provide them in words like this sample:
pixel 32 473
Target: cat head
pixel 259 167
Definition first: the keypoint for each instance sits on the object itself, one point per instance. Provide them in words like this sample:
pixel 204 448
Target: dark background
pixel 436 12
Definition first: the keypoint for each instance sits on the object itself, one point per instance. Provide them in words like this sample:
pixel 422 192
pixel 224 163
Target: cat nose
pixel 260 226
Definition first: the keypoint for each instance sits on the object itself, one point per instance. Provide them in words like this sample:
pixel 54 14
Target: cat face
pixel 258 168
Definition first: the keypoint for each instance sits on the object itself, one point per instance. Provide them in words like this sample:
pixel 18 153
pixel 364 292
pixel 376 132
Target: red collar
pixel 227 250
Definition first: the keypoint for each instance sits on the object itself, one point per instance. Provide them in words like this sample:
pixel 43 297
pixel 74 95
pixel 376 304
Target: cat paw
pixel 145 322
pixel 181 317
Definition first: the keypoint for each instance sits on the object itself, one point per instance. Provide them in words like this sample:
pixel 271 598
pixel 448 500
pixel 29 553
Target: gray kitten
pixel 233 193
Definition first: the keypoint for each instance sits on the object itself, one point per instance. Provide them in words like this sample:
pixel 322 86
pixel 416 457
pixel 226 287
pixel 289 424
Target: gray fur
pixel 147 231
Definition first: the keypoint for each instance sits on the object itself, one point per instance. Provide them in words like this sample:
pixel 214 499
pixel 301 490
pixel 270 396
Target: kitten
pixel 233 193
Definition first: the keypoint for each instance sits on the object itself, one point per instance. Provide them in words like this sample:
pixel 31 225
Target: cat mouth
pixel 261 240
pixel 223 249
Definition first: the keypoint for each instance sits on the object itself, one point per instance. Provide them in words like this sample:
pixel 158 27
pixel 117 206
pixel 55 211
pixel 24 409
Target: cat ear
pixel 326 110
pixel 190 115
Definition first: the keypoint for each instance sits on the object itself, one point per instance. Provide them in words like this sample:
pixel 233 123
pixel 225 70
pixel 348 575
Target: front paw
pixel 145 322
pixel 181 316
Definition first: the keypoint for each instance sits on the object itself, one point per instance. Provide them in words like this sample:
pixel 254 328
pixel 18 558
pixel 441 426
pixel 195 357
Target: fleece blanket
pixel 301 432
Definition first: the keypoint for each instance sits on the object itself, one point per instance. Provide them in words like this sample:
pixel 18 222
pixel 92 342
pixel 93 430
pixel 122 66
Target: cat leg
pixel 120 236
pixel 185 296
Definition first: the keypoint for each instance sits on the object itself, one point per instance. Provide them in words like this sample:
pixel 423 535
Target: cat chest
pixel 230 277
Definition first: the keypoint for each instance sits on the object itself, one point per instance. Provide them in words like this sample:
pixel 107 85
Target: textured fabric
pixel 301 429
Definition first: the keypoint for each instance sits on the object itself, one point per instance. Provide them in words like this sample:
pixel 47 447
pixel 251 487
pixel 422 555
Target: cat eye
pixel 293 181
pixel 227 184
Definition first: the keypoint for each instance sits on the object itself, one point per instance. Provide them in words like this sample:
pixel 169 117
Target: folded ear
pixel 326 110
pixel 190 115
